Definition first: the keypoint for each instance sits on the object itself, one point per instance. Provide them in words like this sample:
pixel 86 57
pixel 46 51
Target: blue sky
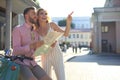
pixel 61 8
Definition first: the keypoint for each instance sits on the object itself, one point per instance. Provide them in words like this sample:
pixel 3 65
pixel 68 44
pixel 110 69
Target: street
pixel 83 66
pixel 93 67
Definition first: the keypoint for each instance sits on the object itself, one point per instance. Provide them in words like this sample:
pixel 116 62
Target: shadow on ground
pixel 104 59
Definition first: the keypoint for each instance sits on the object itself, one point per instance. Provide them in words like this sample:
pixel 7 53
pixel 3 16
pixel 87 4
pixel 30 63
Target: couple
pixel 28 37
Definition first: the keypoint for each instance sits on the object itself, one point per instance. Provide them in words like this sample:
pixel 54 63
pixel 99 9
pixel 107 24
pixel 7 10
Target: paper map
pixel 49 39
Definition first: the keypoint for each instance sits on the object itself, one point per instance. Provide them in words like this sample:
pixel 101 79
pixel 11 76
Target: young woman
pixel 54 57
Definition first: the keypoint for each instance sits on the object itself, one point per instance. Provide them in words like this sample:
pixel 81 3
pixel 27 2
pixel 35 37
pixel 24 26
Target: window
pixel 86 43
pixel 82 43
pixel 73 35
pixel 82 26
pixel 104 28
pixel 77 35
pixel 85 36
pixel 81 36
pixel 69 36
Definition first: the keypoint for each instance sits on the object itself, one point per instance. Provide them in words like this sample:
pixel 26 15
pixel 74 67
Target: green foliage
pixel 37 2
pixel 63 23
pixel 72 25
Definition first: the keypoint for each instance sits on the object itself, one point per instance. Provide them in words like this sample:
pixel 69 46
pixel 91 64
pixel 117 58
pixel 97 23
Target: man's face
pixel 32 17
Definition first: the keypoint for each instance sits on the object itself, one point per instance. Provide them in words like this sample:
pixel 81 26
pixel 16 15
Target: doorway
pixel 104 45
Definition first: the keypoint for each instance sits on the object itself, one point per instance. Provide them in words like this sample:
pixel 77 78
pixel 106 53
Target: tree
pixel 63 23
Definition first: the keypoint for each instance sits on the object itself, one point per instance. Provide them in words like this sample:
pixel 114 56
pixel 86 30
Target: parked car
pixel 85 50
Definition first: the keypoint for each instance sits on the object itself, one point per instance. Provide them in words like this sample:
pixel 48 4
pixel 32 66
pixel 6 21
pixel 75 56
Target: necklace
pixel 32 36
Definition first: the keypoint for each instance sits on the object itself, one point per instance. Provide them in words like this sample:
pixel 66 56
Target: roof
pixel 19 5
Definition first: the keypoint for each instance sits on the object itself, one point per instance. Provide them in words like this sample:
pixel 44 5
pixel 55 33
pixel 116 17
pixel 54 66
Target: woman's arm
pixel 68 26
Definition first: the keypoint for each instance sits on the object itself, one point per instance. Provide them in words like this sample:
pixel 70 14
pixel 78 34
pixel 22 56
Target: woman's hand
pixel 68 24
pixel 53 45
pixel 69 18
pixel 39 43
pixel 35 45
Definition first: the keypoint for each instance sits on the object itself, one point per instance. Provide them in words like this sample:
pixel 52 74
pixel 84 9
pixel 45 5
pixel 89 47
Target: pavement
pixel 68 55
pixel 94 67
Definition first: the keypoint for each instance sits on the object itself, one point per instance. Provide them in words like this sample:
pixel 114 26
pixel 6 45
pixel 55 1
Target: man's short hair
pixel 26 10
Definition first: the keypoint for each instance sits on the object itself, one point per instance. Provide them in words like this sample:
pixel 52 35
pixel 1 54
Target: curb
pixel 68 57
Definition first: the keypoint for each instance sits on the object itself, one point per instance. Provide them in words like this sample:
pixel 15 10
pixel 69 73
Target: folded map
pixel 49 39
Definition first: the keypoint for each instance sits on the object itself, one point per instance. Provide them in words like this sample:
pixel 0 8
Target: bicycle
pixel 9 70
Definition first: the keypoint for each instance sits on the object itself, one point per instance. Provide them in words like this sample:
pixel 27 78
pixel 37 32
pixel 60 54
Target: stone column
pixel 118 37
pixel 8 24
pixel 99 37
pixel 2 37
pixel 96 34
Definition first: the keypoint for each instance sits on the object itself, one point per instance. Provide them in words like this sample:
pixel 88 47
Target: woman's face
pixel 42 15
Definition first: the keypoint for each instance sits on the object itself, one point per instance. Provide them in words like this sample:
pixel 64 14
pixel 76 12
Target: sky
pixel 61 8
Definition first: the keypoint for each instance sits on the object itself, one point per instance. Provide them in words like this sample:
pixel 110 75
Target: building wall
pixel 118 36
pixel 110 36
pixel 112 3
pixel 106 15
pixel 78 37
pixel 80 22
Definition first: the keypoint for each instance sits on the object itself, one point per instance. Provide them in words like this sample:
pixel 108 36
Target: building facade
pixel 81 34
pixel 80 37
pixel 106 26
pixel 80 22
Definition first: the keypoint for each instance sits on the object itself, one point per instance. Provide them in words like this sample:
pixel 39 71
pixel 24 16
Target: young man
pixel 25 41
